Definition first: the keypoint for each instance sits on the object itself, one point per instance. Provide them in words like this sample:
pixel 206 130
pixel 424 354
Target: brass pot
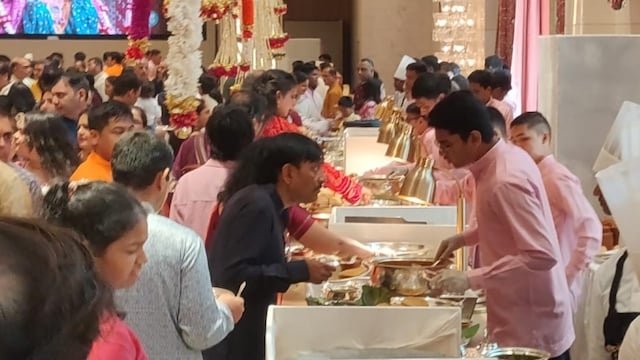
pixel 405 276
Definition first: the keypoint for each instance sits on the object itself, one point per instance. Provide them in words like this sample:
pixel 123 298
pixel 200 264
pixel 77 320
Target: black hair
pixel 101 115
pixel 461 113
pixel 55 57
pixel 269 84
pixel 137 159
pixel 262 161
pixel 461 81
pixel 325 57
pixel 413 108
pixel 147 89
pixel 371 90
pixel 432 62
pixel 368 61
pixel 345 101
pixel 153 52
pixel 101 212
pixel 497 121
pixel 143 115
pixel 76 80
pixel 48 135
pixel 300 77
pixel 5 68
pixel 493 62
pixel 111 79
pixel 295 66
pixel 126 82
pixel 118 57
pixel 91 80
pixel 207 83
pixel 79 56
pixel 229 130
pixel 431 86
pixel 325 65
pixel 107 55
pixel 480 77
pixel 252 103
pixel 501 79
pixel 418 67
pixel 55 301
pixel 21 98
pixel 533 120
pixel 308 68
pixel 5 58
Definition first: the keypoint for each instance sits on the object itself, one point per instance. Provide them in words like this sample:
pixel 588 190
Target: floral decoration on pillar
pixel 183 64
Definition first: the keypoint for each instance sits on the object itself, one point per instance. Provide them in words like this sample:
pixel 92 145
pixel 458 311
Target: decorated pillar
pixel 184 58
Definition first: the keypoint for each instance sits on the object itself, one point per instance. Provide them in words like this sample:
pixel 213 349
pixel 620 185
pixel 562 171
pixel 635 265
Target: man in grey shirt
pixel 172 307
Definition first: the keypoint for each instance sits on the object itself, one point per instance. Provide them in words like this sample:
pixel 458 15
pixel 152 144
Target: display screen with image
pixel 74 18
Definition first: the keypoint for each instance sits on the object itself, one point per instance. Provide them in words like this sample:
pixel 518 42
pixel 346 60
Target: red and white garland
pixel 184 58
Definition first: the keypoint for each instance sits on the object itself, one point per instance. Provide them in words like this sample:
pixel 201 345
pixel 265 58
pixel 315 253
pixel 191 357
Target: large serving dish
pixel 515 353
pixel 382 187
pixel 406 276
pixel 398 249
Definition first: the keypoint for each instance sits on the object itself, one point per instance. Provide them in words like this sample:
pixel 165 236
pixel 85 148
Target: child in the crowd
pixel 346 112
pixel 107 123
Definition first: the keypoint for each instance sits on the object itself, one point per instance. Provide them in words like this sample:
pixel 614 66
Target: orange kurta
pixel 114 70
pixel 95 168
pixel 330 106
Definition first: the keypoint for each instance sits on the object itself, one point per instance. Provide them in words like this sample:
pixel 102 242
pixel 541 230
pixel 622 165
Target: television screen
pixel 74 18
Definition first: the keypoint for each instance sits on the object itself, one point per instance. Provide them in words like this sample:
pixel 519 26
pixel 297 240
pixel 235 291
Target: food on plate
pixel 349 273
pixel 414 301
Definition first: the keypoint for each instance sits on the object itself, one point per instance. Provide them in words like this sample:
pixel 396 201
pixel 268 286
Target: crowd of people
pixel 123 240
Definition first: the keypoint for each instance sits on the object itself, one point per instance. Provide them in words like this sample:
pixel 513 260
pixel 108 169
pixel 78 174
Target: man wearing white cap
pixel 621 145
pixel 400 76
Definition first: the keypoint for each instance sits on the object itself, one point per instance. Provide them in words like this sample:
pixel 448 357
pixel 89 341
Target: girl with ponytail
pixel 114 226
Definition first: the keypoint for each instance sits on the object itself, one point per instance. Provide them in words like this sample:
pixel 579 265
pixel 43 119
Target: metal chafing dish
pixel 382 187
pixel 406 276
pixel 398 249
pixel 516 353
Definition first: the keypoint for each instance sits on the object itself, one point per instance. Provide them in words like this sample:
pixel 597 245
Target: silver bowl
pixel 517 353
pixel 405 276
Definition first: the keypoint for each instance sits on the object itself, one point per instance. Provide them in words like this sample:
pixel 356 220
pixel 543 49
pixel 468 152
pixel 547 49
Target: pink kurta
pixel 577 225
pixel 505 109
pixel 528 301
pixel 197 194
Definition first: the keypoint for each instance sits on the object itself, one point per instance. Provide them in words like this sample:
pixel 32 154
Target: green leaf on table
pixel 372 296
pixel 470 332
pixel 315 301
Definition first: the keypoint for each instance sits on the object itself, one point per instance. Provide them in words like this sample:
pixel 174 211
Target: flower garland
pixel 226 61
pixel 139 31
pixel 248 19
pixel 277 37
pixel 216 9
pixel 183 59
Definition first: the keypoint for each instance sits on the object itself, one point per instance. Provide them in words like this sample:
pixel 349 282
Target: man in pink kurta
pixel 577 225
pixel 528 300
pixel 480 83
pixel 196 195
pixel 229 131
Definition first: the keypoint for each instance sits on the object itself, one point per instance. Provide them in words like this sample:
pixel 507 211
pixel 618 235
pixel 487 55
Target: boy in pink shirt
pixel 577 225
pixel 522 272
pixel 480 83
